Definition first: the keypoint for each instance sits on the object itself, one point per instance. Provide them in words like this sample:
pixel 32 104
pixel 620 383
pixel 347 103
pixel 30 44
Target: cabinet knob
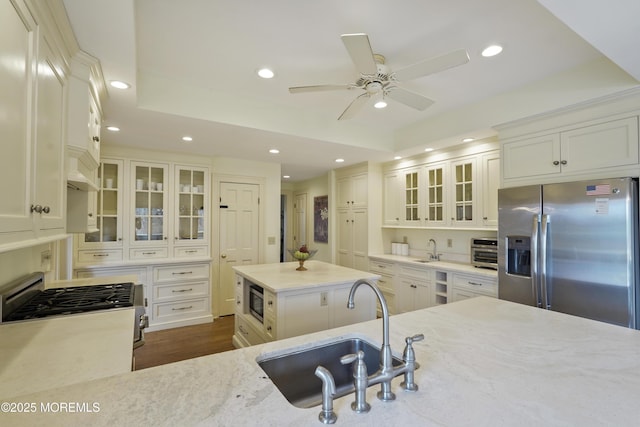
pixel 556 163
pixel 36 208
pixel 46 209
pixel 96 138
pixel 223 256
pixel 563 162
pixel 90 215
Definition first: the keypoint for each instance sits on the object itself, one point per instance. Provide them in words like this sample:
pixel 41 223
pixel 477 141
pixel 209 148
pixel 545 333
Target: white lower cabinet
pixel 414 288
pixel 177 294
pixel 298 312
pixel 386 270
pixel 469 286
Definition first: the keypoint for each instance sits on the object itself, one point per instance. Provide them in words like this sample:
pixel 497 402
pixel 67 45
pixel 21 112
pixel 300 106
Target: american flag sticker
pixel 598 190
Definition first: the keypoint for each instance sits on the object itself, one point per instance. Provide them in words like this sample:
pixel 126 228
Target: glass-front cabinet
pixel 464 177
pixel 149 204
pixel 411 198
pixel 109 207
pixel 191 189
pixel 436 207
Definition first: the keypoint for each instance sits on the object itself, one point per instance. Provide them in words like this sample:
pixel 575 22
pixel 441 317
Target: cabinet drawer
pixel 175 291
pixel 416 273
pixel 148 253
pixel 483 285
pixel 180 273
pixel 190 252
pixel 99 256
pixel 171 311
pixel 248 332
pixel 381 267
pixel 385 283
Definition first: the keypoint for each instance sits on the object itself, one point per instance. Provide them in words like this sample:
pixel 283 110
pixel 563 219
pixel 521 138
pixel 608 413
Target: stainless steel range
pixel 27 299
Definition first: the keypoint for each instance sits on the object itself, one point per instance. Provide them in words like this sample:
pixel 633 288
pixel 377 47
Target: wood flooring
pixel 173 345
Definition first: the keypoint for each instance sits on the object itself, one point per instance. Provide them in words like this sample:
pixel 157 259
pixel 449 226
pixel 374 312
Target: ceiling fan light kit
pixel 379 82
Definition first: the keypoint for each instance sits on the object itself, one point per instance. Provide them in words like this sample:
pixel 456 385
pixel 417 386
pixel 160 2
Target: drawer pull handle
pixel 414 286
pixel 192 251
pixel 182 272
pixel 149 253
pixel 182 290
pixel 241 329
pixel 238 301
pixel 269 303
pixel 475 283
pixel 269 328
pixel 99 255
pixel 182 308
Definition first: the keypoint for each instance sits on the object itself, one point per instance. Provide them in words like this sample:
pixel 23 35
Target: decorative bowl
pixel 301 259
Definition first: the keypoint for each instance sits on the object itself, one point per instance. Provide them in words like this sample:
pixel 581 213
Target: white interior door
pixel 300 221
pixel 239 235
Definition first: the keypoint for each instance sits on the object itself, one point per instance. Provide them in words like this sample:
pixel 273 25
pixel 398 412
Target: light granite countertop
pixel 283 276
pixel 443 265
pixel 484 362
pixel 41 354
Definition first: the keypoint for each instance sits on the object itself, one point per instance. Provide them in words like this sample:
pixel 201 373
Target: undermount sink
pixel 293 373
pixel 424 261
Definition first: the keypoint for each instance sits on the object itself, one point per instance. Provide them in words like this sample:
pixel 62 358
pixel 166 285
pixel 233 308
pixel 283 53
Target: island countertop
pixel 484 362
pixel 283 276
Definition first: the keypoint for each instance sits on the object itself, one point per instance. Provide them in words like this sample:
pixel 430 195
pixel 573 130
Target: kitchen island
pixel 277 301
pixel 484 362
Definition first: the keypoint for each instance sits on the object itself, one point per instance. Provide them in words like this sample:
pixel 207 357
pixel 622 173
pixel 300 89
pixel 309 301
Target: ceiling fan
pixel 379 82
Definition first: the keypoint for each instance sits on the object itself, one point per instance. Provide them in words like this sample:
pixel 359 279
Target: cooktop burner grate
pixel 78 299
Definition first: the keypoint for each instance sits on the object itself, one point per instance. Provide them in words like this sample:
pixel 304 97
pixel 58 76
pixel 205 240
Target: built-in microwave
pixel 484 252
pixel 256 302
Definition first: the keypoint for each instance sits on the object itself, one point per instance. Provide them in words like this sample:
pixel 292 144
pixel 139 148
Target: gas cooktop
pixel 58 301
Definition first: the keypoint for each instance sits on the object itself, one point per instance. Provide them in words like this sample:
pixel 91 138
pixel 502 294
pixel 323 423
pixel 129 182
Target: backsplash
pixel 418 240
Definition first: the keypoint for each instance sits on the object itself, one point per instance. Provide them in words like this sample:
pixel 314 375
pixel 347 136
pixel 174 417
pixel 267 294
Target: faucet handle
pixel 360 380
pixel 415 338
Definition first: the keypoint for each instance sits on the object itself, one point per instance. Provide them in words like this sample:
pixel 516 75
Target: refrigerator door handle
pixel 535 283
pixel 544 229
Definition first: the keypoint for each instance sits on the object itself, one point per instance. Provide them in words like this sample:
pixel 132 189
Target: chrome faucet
pixel 385 374
pixel 327 416
pixel 434 254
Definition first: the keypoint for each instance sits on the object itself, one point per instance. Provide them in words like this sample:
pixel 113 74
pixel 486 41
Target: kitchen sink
pixel 293 372
pixel 424 261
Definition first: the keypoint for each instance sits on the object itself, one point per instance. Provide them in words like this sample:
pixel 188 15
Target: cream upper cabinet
pixel 464 200
pixel 392 197
pixel 149 208
pixel 491 184
pixel 413 200
pixel 602 148
pixel 352 191
pixel 17 41
pixel 436 198
pixel 191 215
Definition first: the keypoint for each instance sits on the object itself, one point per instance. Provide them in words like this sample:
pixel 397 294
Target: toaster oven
pixel 484 252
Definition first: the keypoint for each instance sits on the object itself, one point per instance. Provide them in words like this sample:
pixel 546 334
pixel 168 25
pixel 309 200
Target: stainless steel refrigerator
pixel 572 247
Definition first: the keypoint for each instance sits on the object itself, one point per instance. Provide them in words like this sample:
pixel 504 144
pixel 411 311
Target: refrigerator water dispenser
pixel 519 255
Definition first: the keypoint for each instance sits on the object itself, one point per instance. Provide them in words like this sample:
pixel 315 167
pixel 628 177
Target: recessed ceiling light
pixel 119 85
pixel 187 139
pixel 286 176
pixel 339 160
pixel 113 128
pixel 467 140
pixel 265 73
pixel 397 157
pixel 380 104
pixel 492 50
pixel 428 149
pixel 274 151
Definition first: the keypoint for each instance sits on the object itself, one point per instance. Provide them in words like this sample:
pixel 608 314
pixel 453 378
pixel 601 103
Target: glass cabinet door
pixel 109 206
pixel 464 173
pixel 149 202
pixel 435 194
pixel 192 199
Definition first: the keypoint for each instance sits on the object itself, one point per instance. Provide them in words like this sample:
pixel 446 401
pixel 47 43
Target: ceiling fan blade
pixel 355 106
pixel 360 51
pixel 319 88
pixel 433 65
pixel 410 99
